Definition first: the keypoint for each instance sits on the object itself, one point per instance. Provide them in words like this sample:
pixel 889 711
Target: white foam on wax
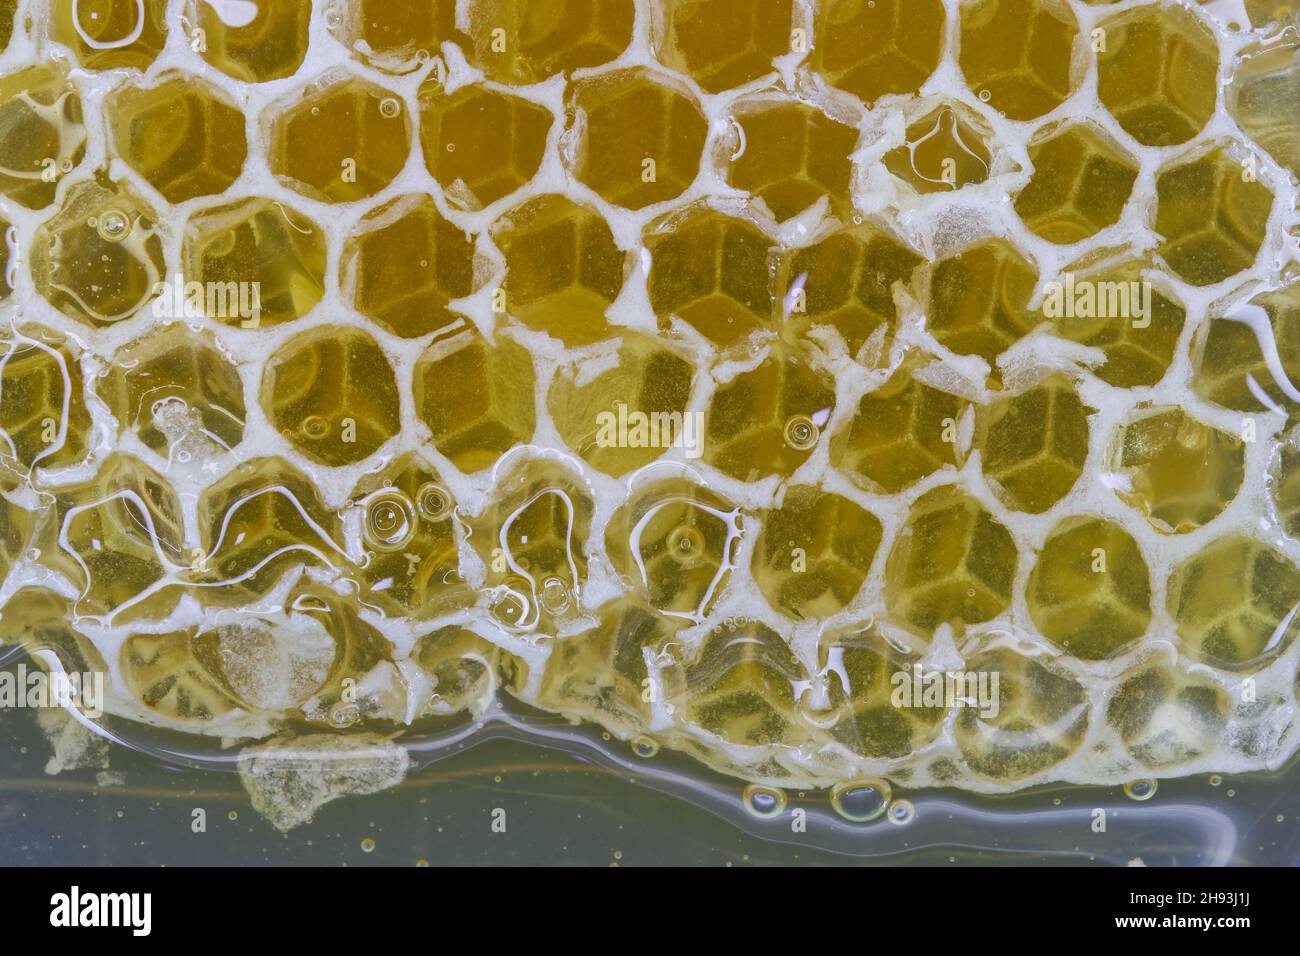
pixel 935 225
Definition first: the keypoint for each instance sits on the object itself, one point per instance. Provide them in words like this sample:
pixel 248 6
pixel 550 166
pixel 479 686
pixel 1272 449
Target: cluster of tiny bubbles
pixel 645 747
pixel 764 802
pixel 344 714
pixel 901 812
pixel 1140 789
pixel 433 501
pixel 801 433
pixel 113 226
pixel 861 801
pixel 390 523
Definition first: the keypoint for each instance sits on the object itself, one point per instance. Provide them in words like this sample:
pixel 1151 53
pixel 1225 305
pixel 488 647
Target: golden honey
pixel 705 370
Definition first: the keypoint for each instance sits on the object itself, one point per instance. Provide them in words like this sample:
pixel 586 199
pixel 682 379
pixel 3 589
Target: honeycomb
pixel 826 389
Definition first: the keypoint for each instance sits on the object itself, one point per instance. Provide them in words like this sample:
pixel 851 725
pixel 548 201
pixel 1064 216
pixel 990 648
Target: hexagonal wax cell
pixel 674 542
pixel 943 151
pixel 1039 718
pixel 1212 217
pixel 532 539
pixel 1234 354
pixel 117 536
pixel 396 36
pixel 872 48
pixel 1090 591
pixel 1081 183
pixel 953 563
pixel 712 271
pixel 100 258
pixel 1158 73
pixel 757 32
pixel 270 46
pixel 404 264
pixel 1118 310
pixel 649 385
pixel 1166 715
pixel 181 134
pixel 466 670
pixel 407 526
pixel 814 552
pixel 522 41
pixel 178 392
pixel 1016 55
pixel 859 667
pixel 903 431
pixel 1177 471
pixel 979 299
pixel 110 34
pixel 42 133
pixel 1264 97
pixel 635 164
pixel 1034 445
pixel 163 672
pixel 270 254
pixel 44 421
pixel 258 522
pixel 741 685
pixel 480 144
pixel 791 155
pixel 340 139
pixel 603 671
pixel 475 396
pixel 563 268
pixel 768 420
pixel 1234 602
pixel 846 282
pixel 332 393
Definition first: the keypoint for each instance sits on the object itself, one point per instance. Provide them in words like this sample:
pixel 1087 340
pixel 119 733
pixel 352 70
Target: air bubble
pixel 390 107
pixel 555 597
pixel 801 433
pixel 390 523
pixel 861 801
pixel 1140 789
pixel 315 427
pixel 901 812
pixel 686 545
pixel 764 802
pixel 113 226
pixel 433 501
pixel 645 747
